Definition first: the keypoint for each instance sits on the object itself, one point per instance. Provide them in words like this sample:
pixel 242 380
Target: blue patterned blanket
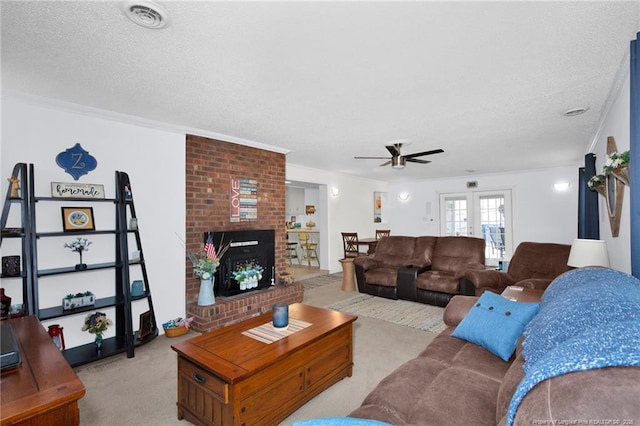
pixel 589 318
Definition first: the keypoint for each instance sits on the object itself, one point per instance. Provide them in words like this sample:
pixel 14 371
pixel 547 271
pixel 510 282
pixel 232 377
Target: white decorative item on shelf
pixel 77 301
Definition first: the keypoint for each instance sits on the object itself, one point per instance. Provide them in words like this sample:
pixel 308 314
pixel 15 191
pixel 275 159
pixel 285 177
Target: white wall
pixel 616 124
pixel 35 132
pixel 540 213
pixel 350 211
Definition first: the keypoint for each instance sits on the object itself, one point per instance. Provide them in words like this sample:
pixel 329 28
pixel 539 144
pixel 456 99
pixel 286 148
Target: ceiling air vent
pixel 146 14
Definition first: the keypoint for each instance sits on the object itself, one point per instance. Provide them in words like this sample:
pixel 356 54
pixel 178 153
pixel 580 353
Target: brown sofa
pixel 424 269
pixel 455 382
pixel 533 265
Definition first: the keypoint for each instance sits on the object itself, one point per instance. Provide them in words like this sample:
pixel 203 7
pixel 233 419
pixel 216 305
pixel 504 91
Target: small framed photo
pixel 77 219
pixel 147 325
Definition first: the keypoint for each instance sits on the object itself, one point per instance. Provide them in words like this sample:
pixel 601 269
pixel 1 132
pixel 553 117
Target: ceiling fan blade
pixel 394 149
pixel 420 154
pixel 371 158
pixel 415 160
pixel 385 163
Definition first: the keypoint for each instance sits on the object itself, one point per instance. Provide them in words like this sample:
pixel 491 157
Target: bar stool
pixel 291 251
pixel 309 249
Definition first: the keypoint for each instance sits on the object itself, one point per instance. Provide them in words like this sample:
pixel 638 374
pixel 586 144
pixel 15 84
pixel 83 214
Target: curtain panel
pixel 634 151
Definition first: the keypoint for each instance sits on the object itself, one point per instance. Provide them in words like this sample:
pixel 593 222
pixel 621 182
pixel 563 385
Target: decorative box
pixel 78 302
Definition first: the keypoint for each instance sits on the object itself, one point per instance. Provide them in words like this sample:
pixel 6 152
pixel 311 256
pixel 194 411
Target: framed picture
pixel 77 219
pixel 147 325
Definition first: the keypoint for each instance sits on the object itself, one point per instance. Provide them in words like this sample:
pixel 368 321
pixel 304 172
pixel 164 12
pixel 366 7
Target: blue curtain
pixel 588 220
pixel 634 145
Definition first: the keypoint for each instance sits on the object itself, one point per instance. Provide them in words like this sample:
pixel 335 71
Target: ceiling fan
pixel 398 160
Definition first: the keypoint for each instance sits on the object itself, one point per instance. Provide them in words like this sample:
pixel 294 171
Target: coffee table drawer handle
pixel 198 378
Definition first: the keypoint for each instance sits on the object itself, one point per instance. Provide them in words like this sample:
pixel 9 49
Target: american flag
pixel 209 248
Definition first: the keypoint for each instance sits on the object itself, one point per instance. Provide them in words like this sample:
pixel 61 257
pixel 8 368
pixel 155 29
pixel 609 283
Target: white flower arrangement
pixel 615 161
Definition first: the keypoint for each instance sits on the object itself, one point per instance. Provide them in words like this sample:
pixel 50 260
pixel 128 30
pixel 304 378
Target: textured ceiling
pixel 486 81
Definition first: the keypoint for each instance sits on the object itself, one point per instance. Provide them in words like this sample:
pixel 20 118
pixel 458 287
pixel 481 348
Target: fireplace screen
pixel 248 264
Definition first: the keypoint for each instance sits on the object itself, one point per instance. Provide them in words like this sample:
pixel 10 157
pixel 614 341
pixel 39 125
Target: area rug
pixel 401 312
pixel 321 280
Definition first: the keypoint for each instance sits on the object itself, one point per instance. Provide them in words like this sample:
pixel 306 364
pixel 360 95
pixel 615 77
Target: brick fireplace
pixel 210 165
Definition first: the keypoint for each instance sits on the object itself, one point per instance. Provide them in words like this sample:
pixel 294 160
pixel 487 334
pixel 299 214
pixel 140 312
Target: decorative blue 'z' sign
pixel 76 161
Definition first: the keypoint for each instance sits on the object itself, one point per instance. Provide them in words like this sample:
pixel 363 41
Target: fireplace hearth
pixel 255 247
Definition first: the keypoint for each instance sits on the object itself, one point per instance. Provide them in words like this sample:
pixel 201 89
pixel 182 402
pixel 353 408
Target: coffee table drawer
pixel 204 379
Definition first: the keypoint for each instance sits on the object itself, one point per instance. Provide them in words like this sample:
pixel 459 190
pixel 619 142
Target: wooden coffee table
pixel 228 378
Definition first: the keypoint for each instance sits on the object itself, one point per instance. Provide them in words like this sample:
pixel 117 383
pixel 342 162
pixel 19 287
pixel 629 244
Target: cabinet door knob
pixel 198 378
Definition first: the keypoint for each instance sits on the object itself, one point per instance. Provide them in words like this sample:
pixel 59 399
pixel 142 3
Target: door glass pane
pixel 456 216
pixel 492 223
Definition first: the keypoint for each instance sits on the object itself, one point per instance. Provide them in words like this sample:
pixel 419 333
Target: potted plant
pixel 597 183
pixel 617 164
pixel 205 263
pixel 248 274
pixel 78 300
pixel 97 323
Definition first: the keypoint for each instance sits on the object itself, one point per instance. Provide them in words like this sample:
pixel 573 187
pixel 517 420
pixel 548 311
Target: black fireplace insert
pixel 254 247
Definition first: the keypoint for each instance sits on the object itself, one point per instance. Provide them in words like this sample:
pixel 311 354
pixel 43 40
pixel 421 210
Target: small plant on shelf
pixel 79 246
pixel 78 300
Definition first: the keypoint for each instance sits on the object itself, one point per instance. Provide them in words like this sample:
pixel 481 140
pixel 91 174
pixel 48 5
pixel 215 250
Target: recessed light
pixel 146 13
pixel 575 111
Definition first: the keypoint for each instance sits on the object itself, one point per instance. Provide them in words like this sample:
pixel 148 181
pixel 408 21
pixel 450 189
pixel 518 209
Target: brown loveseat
pixel 533 265
pixel 423 269
pixel 455 382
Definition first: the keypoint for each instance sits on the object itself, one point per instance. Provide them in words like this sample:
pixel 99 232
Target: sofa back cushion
pixel 424 249
pixel 453 254
pixel 539 260
pixel 394 251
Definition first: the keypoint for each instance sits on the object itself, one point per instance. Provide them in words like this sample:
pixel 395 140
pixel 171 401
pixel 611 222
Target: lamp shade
pixel 588 253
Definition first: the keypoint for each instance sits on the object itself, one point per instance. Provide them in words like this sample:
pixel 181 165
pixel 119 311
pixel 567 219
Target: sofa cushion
pixel 399 392
pixel 539 260
pixel 455 254
pixel 496 323
pixel 440 281
pixel 457 396
pixel 384 276
pixel 394 251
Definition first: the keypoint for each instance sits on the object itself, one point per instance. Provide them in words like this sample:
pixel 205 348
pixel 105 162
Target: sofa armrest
pixel 489 279
pixel 534 283
pixel 365 262
pixel 457 308
pixel 469 267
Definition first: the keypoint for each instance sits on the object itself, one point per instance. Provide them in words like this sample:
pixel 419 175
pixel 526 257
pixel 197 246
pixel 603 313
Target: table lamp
pixel 588 253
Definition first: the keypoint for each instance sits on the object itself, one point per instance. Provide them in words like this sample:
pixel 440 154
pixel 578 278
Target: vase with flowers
pixel 617 164
pixel 248 275
pixel 97 323
pixel 79 246
pixel 205 264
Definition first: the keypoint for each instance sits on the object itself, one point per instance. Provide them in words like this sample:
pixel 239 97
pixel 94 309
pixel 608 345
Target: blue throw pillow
pixel 340 421
pixel 496 323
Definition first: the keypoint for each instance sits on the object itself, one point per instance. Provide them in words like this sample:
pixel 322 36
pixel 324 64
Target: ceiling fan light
pixel 398 162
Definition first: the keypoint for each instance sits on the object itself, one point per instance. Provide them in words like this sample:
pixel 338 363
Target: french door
pixel 482 214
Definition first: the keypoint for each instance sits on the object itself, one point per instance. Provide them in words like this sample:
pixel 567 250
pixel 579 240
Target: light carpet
pixel 401 312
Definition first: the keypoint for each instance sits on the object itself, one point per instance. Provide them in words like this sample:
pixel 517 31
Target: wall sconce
pixel 561 186
pixel 335 191
pixel 404 196
pixel 586 252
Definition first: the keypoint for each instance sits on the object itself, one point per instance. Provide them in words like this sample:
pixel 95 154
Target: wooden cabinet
pixel 43 390
pixel 226 378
